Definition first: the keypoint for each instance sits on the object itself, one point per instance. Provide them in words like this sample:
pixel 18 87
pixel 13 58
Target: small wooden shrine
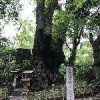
pixel 21 78
pixel 26 77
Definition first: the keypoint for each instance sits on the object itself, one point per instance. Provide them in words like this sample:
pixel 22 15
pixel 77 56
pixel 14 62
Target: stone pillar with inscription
pixel 69 83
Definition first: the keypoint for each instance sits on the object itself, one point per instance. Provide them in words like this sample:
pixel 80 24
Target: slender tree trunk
pixel 75 43
pixel 96 54
pixel 73 53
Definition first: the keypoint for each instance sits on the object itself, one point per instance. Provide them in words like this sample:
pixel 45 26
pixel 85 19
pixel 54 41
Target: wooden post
pixel 69 83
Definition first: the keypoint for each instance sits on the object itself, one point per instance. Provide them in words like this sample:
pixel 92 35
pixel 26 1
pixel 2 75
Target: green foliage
pixel 9 9
pixel 66 24
pixel 78 14
pixel 62 70
pixel 7 59
pixel 84 54
pixel 49 2
pixel 5 46
pixel 95 85
pixel 26 37
pixel 60 24
pixel 83 64
pixel 84 10
pixel 84 61
pixel 26 64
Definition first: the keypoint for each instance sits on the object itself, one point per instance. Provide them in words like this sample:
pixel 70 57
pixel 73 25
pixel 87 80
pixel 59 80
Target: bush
pixel 85 74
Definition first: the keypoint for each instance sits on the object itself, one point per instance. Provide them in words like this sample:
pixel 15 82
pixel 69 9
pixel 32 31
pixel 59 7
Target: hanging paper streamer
pixel 14 82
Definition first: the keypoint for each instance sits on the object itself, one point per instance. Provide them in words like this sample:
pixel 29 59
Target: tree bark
pixel 96 54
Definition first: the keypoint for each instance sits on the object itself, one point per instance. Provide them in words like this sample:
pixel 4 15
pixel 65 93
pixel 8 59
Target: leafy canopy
pixel 9 9
pixel 26 36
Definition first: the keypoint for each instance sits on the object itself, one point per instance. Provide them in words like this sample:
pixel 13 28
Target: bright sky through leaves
pixel 26 14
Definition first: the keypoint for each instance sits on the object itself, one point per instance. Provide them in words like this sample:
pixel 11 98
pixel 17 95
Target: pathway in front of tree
pixel 18 98
pixel 18 94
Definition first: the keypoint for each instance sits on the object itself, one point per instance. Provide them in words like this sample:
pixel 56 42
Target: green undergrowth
pixel 81 89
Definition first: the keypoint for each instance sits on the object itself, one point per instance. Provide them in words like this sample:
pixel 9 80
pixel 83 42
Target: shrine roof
pixel 27 72
pixel 15 71
pixel 27 79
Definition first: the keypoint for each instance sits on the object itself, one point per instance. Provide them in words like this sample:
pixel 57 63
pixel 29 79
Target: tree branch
pixel 49 12
pixel 80 34
pixel 97 11
pixel 98 39
pixel 48 16
pixel 91 38
pixel 51 7
pixel 68 46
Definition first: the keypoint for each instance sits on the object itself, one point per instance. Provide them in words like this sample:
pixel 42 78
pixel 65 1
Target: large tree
pixel 94 37
pixel 46 60
pixel 89 12
pixel 96 54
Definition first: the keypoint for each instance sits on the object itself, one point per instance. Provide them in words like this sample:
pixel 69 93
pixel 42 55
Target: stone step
pixel 98 95
pixel 95 98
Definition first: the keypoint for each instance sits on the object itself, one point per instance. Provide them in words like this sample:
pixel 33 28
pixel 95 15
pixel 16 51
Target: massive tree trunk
pixel 96 54
pixel 44 66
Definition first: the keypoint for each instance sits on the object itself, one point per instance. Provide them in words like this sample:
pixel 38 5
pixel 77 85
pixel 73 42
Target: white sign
pixel 69 83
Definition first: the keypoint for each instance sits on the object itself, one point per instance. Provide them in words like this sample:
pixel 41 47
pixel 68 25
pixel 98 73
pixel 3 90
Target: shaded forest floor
pixel 82 92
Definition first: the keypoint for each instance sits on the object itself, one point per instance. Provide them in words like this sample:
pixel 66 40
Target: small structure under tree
pixel 21 78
